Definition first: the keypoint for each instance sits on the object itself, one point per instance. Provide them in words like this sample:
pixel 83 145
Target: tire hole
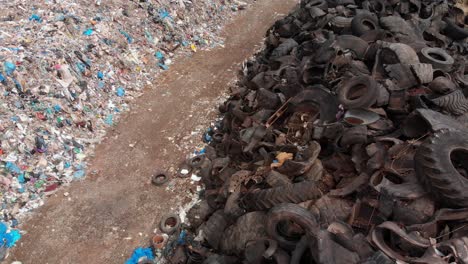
pixel 438 73
pixel 394 178
pixel 416 126
pixel 368 25
pixel 170 222
pixel 290 230
pixel 436 56
pixel 354 120
pixel 160 177
pixel 356 92
pixel 459 159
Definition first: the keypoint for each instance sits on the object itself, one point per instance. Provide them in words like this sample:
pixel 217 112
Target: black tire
pixel 283 49
pixel 455 103
pixel 276 179
pixel 213 229
pixel 260 200
pixel 349 42
pixel 438 57
pixel 354 135
pixel 454 31
pixel 364 22
pixel 364 97
pixel 434 167
pixel 199 213
pixel 249 227
pixel 174 223
pixel 290 212
pixel 159 178
pixel 196 161
pixel 322 4
pixel 442 85
pixel 300 250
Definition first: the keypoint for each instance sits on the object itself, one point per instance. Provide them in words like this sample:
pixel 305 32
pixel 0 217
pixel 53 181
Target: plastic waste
pixel 140 254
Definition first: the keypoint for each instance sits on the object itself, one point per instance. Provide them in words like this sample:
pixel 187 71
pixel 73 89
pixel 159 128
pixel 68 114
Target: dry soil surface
pixel 115 209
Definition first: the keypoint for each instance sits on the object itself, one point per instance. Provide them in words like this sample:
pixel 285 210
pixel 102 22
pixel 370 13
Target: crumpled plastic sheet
pixel 8 238
pixel 139 253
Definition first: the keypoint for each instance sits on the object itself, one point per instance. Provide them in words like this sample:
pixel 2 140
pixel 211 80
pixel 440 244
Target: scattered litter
pixel 68 69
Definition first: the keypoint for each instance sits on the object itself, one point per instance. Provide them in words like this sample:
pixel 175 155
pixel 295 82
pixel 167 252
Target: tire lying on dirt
pixel 441 163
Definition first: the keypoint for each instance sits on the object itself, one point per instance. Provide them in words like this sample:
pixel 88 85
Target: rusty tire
pixel 437 164
pixel 290 212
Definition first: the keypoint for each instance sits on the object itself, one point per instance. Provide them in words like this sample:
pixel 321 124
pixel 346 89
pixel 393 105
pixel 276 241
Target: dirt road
pixel 104 217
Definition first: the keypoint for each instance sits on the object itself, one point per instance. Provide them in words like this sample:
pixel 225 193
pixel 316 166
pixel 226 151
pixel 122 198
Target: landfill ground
pixel 102 218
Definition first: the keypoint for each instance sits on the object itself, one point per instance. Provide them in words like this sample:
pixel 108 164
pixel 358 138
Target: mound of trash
pixel 68 68
pixel 345 141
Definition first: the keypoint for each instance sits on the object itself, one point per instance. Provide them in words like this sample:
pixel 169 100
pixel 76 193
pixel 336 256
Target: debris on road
pixel 345 141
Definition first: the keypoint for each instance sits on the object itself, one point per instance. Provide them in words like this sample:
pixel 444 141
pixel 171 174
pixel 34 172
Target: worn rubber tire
pixel 265 199
pixel 442 85
pixel 248 227
pixel 455 103
pixel 159 178
pixel 196 161
pixel 171 229
pixel 213 228
pixel 290 212
pixel 444 63
pixel 454 31
pixel 300 250
pixel 350 42
pixel 322 4
pixel 434 167
pixel 341 22
pixel 199 213
pixel 365 100
pixel 363 23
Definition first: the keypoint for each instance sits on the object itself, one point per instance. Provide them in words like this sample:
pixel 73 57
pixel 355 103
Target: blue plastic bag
pixel 139 253
pixel 9 67
pixel 120 92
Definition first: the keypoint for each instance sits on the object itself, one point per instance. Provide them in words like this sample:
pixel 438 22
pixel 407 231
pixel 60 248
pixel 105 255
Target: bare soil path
pixel 114 210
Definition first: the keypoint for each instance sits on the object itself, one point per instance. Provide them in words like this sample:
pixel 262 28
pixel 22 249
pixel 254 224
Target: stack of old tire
pixel 345 141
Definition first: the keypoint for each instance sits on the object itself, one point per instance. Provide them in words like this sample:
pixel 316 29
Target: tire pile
pixel 345 141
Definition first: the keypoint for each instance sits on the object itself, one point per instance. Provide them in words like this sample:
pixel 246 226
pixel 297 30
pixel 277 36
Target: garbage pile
pixel 68 68
pixel 345 141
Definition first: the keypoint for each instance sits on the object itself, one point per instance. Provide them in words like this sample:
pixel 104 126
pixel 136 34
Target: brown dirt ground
pixel 116 209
